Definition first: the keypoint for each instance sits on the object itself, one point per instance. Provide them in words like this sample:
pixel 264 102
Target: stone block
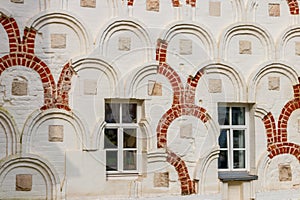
pixel 56 133
pixel 186 131
pixel 58 41
pixel 154 88
pixel 161 179
pixel 124 43
pixel 274 83
pixel 185 47
pixel 88 3
pixel 285 172
pixel 274 9
pixel 17 1
pixel 297 48
pixel 152 5
pixel 215 85
pixel 23 182
pixel 90 87
pixel 19 87
pixel 245 47
pixel 215 8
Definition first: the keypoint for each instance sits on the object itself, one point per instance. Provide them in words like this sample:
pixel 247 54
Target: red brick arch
pixel 22 54
pixel 277 143
pixel 293 6
pixel 183 104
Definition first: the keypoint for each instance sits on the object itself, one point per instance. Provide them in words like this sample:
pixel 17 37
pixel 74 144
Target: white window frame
pixel 231 127
pixel 120 126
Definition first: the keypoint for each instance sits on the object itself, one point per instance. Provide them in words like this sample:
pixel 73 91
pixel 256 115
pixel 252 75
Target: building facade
pixel 177 99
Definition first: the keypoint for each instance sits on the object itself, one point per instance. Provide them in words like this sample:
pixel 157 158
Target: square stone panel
pixel 186 131
pixel 19 87
pixel 88 3
pixel 185 47
pixel 161 179
pixel 124 43
pixel 215 8
pixel 23 182
pixel 297 48
pixel 245 47
pixel 274 83
pixel 285 172
pixel 58 41
pixel 90 87
pixel 274 9
pixel 56 133
pixel 215 85
pixel 154 88
pixel 152 5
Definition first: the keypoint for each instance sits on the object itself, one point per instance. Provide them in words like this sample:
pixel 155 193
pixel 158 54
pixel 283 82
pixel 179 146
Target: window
pixel 120 137
pixel 233 123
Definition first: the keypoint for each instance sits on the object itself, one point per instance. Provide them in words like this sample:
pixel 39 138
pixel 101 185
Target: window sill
pixel 122 176
pixel 226 176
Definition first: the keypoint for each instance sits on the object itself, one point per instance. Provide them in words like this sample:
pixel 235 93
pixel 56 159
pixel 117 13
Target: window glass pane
pixel 238 116
pixel 111 160
pixel 238 139
pixel 112 112
pixel 129 160
pixel 129 113
pixel 223 115
pixel 223 138
pixel 110 138
pixel 238 159
pixel 223 160
pixel 129 138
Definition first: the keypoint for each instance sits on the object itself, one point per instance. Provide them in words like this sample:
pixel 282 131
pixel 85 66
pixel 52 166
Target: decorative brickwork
pixel 278 139
pixel 294 7
pixel 183 104
pixel 130 2
pixel 22 53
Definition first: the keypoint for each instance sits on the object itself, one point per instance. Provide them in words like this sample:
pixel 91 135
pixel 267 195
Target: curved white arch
pixel 137 76
pixel 99 64
pixel 199 30
pixel 62 17
pixel 247 29
pixel 42 166
pixel 288 34
pixel 121 24
pixel 233 74
pixel 39 117
pixel 11 132
pixel 266 68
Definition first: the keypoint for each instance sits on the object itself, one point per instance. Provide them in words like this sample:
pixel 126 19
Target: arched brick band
pixel 37 65
pixel 22 54
pixel 278 139
pixel 183 104
pixel 294 7
pixel 187 185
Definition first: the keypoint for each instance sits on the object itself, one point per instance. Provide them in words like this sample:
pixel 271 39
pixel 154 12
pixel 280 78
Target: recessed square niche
pixel 245 47
pixel 88 3
pixel 90 87
pixel 185 47
pixel 56 133
pixel 124 43
pixel 274 9
pixel 297 48
pixel 274 83
pixel 215 8
pixel 23 182
pixel 214 85
pixel 154 88
pixel 161 179
pixel 186 131
pixel 58 41
pixel 19 87
pixel 152 5
pixel 285 172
